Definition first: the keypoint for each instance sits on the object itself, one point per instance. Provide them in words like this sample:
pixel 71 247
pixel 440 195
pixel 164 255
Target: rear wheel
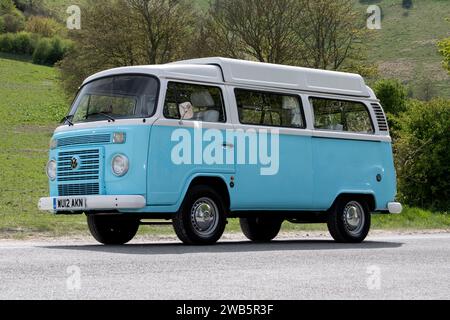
pixel 201 219
pixel 349 221
pixel 112 230
pixel 261 229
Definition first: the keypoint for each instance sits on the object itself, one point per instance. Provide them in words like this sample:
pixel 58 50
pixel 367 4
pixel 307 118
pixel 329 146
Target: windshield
pixel 117 97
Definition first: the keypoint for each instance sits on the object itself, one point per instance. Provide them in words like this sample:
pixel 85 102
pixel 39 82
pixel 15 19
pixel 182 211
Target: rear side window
pixel 194 102
pixel 339 115
pixel 269 109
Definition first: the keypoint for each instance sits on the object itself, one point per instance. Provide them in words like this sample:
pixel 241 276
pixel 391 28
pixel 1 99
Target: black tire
pixel 201 203
pixel 261 229
pixel 339 225
pixel 112 230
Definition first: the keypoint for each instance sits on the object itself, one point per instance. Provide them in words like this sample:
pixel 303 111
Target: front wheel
pixel 201 219
pixel 261 229
pixel 349 221
pixel 112 230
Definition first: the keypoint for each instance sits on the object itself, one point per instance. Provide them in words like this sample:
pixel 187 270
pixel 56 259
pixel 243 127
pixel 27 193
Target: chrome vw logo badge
pixel 74 163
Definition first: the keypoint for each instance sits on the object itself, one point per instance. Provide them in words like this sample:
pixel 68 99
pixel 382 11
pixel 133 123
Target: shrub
pixel 6 42
pixel 42 51
pixel 14 21
pixel 444 50
pixel 31 7
pixel 46 27
pixel 392 95
pixel 22 43
pixel 407 4
pixel 422 154
pixel 50 50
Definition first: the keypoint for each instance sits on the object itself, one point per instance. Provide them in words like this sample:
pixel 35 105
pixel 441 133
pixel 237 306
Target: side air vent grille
pixel 381 117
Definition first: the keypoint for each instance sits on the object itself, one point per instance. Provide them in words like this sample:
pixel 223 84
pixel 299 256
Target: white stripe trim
pixel 350 136
pixel 276 130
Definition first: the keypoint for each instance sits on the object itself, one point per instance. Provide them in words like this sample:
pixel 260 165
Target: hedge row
pixel 46 51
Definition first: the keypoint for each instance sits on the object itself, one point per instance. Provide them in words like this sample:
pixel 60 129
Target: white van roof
pixel 242 72
pixel 287 77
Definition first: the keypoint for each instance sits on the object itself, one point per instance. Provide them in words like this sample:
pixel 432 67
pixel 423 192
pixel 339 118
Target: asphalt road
pixel 387 267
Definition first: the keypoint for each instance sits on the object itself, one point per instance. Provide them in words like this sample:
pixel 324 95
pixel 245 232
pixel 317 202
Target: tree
pixel 124 33
pixel 129 32
pixel 166 28
pixel 422 157
pixel 312 33
pixel 106 40
pixel 329 33
pixel 255 29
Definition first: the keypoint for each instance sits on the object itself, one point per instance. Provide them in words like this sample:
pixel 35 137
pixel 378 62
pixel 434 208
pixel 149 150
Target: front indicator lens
pixel 51 170
pixel 120 165
pixel 119 137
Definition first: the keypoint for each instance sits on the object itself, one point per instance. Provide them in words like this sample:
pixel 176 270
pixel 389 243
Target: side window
pixel 194 102
pixel 269 109
pixel 338 115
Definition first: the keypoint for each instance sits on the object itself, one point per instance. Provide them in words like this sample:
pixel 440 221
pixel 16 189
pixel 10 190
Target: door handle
pixel 228 146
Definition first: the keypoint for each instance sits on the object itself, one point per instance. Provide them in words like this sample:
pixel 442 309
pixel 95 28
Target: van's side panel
pixel 288 189
pixel 351 166
pixel 386 190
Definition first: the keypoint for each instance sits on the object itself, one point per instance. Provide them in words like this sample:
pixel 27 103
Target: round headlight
pixel 51 170
pixel 120 165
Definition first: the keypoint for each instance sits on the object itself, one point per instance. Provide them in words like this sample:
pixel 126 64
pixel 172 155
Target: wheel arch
pixel 215 182
pixel 368 198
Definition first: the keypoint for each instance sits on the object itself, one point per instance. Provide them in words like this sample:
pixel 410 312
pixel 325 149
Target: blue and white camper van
pixel 201 141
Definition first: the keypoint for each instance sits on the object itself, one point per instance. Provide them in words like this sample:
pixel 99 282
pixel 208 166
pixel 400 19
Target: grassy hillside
pixel 404 49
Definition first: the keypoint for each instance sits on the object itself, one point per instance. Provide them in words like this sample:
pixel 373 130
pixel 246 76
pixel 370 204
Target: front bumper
pixel 97 203
pixel 395 207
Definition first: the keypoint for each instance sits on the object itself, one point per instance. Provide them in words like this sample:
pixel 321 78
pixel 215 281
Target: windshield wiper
pixel 111 118
pixel 67 119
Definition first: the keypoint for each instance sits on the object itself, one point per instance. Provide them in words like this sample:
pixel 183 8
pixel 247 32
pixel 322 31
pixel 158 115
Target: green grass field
pixel 31 103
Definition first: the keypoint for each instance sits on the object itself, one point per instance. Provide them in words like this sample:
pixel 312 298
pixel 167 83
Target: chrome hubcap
pixel 204 217
pixel 354 218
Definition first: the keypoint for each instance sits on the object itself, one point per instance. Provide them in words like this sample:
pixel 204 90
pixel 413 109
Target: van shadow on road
pixel 227 247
